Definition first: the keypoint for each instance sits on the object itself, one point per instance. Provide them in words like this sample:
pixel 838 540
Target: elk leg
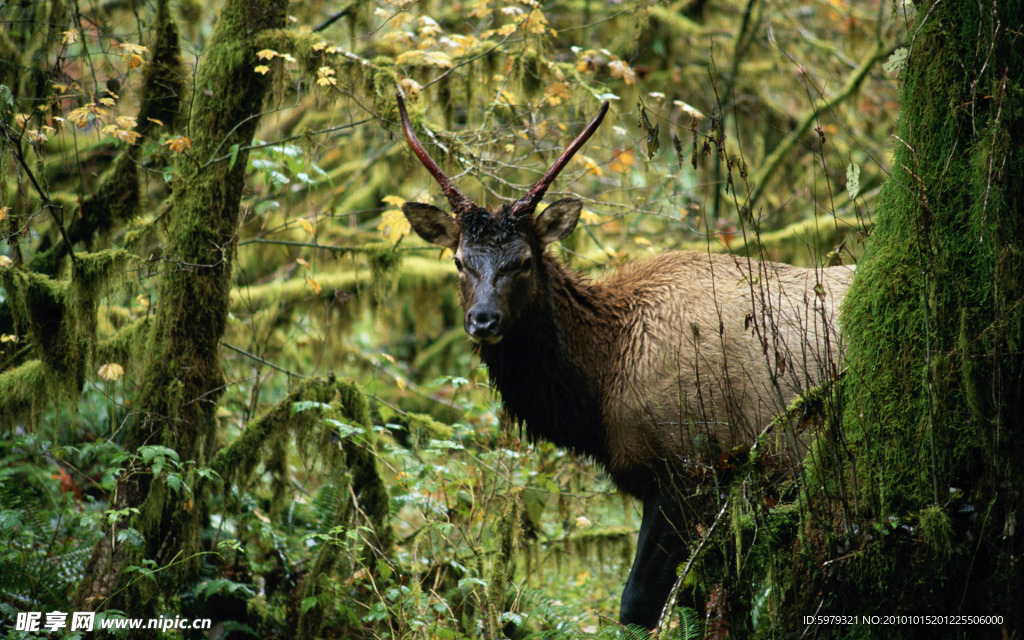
pixel 659 550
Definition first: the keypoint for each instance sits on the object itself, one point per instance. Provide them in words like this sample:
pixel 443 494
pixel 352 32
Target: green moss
pixel 937 530
pixel 163 81
pixel 40 306
pixel 932 390
pixel 384 263
pixel 25 390
pixel 114 201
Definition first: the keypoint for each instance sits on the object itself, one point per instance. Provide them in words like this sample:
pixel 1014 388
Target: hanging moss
pixel 59 319
pixel 39 304
pixel 384 263
pixel 25 392
pixel 115 200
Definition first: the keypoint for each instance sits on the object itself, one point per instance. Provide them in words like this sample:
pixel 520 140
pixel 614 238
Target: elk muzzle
pixel 485 323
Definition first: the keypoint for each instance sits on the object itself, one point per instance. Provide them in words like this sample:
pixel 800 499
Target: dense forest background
pixel 234 386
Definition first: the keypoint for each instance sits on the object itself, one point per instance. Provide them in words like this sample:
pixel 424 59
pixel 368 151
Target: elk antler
pixel 460 203
pixel 529 202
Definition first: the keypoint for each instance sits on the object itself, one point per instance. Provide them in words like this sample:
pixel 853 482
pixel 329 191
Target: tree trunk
pixel 176 403
pixel 934 406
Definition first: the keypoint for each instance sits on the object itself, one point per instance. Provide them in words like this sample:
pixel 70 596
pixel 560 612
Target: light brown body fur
pixel 710 349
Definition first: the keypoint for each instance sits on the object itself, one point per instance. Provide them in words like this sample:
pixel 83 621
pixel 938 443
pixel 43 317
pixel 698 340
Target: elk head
pixel 499 254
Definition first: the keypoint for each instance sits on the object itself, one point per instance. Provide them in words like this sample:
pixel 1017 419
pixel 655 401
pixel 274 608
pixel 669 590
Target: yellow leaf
pixel 107 102
pixel 689 109
pixel 325 77
pixel 556 93
pixel 401 19
pixel 307 225
pixel 586 61
pixel 142 300
pixel 394 201
pixel 588 162
pixel 504 31
pixel 429 27
pixel 480 9
pixel 622 162
pixel 158 123
pixel 70 36
pixel 261 69
pixel 400 381
pixel 111 371
pixel 314 286
pixel 3 212
pixel 426 58
pixel 122 135
pixel 269 54
pixel 460 45
pixel 35 137
pixel 399 39
pixel 394 225
pixel 620 69
pixel 643 242
pixel 79 117
pixel 5 262
pixel 133 54
pixel 589 217
pixel 179 144
pixel 8 337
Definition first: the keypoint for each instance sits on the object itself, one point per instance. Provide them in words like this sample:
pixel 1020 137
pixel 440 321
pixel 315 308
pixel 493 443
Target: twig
pixel 673 595
pixel 262 360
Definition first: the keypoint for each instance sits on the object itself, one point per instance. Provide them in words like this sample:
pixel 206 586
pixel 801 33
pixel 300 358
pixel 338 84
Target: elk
pixel 652 370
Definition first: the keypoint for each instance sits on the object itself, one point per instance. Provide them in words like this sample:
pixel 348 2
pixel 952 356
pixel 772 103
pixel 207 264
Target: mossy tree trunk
pixel 176 403
pixel 934 417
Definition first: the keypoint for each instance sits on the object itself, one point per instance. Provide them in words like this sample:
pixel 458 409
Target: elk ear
pixel 432 224
pixel 558 220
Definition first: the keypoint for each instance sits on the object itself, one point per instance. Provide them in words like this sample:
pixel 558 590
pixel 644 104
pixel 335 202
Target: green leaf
pixel 896 61
pixel 308 405
pixel 853 181
pixel 130 536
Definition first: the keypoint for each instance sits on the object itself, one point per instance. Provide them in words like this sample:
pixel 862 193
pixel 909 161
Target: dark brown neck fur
pixel 550 367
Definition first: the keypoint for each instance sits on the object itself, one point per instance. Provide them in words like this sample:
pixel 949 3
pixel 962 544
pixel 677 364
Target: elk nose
pixel 483 324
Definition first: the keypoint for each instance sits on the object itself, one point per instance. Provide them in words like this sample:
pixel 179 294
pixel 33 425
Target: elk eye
pixel 458 264
pixel 526 264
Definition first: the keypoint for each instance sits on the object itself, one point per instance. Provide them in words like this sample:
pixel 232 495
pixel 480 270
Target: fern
pixel 43 543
